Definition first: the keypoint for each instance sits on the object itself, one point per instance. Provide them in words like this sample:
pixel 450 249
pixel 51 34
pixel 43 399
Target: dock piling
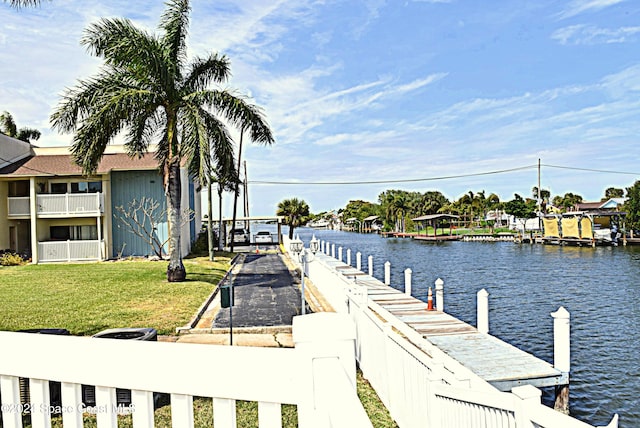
pixel 562 355
pixel 333 250
pixel 407 281
pixel 440 295
pixel 370 260
pixel 387 273
pixel 340 253
pixel 483 311
pixel 359 260
pixel 349 256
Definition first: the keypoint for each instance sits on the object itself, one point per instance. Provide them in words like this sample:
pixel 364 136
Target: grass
pixel 89 297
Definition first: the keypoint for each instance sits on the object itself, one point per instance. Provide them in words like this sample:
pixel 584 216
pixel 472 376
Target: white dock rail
pixel 420 385
pixel 318 376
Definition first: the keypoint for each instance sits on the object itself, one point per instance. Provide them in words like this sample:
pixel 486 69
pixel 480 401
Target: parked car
pixel 263 237
pixel 240 236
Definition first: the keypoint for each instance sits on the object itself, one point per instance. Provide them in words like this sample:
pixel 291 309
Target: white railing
pixel 420 385
pixel 67 251
pixel 318 376
pixel 70 204
pixel 19 206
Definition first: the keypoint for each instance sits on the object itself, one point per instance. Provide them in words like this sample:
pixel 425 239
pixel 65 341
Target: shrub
pixel 11 259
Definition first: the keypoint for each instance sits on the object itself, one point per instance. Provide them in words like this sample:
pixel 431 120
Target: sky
pixel 370 95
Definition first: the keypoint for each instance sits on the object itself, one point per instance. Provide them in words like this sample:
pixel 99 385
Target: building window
pixel 18 189
pixel 86 187
pixel 74 233
pixel 58 188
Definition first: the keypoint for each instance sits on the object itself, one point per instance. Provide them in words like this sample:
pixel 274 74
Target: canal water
pixel 600 287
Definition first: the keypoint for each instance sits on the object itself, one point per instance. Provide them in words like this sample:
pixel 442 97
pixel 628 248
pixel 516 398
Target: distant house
pixel 612 204
pixel 49 210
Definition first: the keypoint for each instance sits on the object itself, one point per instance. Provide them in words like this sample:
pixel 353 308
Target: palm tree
pixel 9 128
pixel 147 89
pixel 295 212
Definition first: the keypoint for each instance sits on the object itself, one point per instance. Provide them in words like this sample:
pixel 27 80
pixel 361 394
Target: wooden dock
pixel 499 363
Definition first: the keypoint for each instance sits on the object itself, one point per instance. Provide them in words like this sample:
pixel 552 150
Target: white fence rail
pixel 318 376
pixel 68 204
pixel 67 251
pixel 19 206
pixel 420 385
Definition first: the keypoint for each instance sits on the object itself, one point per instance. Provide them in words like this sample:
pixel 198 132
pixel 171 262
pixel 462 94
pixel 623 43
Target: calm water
pixel 600 288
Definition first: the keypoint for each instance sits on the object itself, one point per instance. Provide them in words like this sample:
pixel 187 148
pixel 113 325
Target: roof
pixel 370 218
pixel 48 165
pixel 435 217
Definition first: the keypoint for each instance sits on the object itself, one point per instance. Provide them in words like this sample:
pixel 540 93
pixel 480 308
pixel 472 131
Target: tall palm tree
pixel 295 212
pixel 147 89
pixel 9 128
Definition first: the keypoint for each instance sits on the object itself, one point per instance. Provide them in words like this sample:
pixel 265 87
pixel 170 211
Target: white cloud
pixel 591 35
pixel 577 7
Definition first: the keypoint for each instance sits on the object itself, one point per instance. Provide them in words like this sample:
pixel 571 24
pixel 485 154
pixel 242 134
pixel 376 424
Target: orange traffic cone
pixel 430 300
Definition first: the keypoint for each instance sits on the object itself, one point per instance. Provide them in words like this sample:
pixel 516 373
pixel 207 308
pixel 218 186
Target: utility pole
pixel 246 197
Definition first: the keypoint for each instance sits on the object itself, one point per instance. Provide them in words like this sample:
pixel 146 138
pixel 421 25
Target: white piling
pixel 561 340
pixel 387 273
pixel 440 295
pixel 370 260
pixel 340 253
pixel 349 256
pixel 359 260
pixel 333 250
pixel 483 311
pixel 407 281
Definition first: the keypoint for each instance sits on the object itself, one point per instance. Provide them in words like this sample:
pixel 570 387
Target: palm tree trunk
pixel 175 271
pixel 220 227
pixel 210 223
pixel 237 187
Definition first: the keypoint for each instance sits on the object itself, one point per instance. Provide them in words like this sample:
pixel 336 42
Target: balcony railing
pixel 68 204
pixel 68 251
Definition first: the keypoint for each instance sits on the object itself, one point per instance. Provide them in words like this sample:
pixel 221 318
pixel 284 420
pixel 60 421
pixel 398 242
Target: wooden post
pixel 333 250
pixel 483 311
pixel 407 281
pixel 440 295
pixel 359 260
pixel 340 253
pixel 370 260
pixel 562 355
pixel 349 256
pixel 387 273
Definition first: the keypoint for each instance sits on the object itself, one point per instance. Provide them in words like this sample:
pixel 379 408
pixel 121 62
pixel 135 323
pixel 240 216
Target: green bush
pixel 11 259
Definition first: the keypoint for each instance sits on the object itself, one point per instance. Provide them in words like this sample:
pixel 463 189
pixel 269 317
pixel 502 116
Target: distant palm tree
pixel 9 128
pixel 295 212
pixel 147 89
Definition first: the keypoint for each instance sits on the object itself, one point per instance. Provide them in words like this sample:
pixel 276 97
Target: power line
pixel 591 170
pixel 410 180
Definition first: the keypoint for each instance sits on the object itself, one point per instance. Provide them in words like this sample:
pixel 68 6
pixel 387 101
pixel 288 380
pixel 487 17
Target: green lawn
pixel 86 298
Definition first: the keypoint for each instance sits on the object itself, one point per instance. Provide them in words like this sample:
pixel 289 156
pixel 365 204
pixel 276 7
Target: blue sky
pixel 382 91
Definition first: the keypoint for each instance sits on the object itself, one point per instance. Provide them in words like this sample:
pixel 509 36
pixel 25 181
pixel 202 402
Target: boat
pixel 583 228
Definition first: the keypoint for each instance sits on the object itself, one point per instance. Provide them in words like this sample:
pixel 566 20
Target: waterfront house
pixel 52 213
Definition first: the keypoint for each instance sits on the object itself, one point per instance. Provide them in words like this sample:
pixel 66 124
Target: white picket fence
pixel 420 385
pixel 318 376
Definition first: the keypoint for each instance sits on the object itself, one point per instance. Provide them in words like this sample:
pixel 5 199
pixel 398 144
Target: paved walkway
pixel 265 294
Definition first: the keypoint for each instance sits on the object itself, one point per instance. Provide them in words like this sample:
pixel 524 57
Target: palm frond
pixel 174 23
pixel 204 71
pixel 240 113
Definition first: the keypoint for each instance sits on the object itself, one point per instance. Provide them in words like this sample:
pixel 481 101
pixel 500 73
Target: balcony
pixel 68 251
pixel 64 205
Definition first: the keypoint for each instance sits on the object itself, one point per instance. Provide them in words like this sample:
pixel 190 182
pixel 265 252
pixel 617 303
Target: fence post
pixel 359 260
pixel 349 256
pixel 483 311
pixel 387 273
pixel 562 355
pixel 318 336
pixel 370 260
pixel 527 398
pixel 440 295
pixel 407 281
pixel 340 253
